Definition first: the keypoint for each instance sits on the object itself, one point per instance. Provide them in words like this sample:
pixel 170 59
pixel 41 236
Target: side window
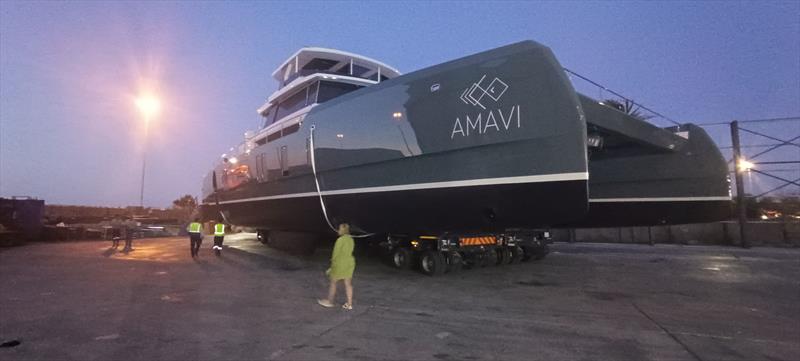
pixel 274 135
pixel 329 90
pixel 359 70
pixel 291 104
pixel 269 117
pixel 291 129
pixel 312 93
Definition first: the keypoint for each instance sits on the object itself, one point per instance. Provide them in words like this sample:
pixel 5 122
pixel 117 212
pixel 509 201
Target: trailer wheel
pixel 492 257
pixel 454 262
pixel 262 236
pixel 535 253
pixel 516 254
pixel 542 252
pixel 506 256
pixel 432 263
pixel 527 253
pixel 401 258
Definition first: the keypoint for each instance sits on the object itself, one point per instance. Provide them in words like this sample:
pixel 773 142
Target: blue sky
pixel 69 71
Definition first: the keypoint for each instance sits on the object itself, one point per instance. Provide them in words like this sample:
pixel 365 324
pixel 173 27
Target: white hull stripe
pixel 560 177
pixel 662 199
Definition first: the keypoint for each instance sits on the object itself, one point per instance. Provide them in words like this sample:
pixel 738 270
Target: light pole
pixel 149 106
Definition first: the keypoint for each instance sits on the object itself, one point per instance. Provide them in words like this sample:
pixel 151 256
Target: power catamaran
pixel 484 143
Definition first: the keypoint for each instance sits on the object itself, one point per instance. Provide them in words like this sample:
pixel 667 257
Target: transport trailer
pixel 447 253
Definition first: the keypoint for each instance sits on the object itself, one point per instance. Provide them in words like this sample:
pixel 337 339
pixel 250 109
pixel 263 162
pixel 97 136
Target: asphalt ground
pixel 84 301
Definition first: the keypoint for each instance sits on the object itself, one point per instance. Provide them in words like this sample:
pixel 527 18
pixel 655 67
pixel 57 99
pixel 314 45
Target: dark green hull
pixel 491 141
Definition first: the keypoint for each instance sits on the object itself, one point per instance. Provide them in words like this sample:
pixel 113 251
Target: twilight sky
pixel 69 71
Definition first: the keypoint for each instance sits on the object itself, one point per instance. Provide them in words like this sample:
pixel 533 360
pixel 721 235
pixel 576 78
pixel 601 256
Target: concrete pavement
pixel 583 302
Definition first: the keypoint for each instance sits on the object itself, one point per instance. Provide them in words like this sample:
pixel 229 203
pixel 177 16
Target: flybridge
pixel 329 66
pixel 307 61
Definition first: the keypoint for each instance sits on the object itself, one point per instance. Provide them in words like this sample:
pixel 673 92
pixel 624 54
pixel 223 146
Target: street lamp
pixel 149 106
pixel 745 165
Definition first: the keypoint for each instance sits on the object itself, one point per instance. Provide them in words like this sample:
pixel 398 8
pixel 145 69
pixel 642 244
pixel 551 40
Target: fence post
pixel 740 206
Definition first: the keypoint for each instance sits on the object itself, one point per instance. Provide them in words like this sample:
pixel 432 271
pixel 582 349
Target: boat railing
pixel 615 100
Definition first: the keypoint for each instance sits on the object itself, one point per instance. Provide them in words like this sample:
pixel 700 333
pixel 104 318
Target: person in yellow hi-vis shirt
pixel 342 266
pixel 195 236
pixel 219 234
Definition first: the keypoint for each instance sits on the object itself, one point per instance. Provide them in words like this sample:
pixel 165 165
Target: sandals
pixel 329 304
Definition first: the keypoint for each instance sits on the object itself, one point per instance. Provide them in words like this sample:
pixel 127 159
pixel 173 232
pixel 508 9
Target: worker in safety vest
pixel 195 236
pixel 219 234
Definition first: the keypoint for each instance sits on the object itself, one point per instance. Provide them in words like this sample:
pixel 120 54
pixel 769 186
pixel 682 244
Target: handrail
pixel 654 114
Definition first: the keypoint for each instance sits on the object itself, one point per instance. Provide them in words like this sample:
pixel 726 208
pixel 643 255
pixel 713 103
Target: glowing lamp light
pixel 340 136
pixel 397 115
pixel 745 165
pixel 148 105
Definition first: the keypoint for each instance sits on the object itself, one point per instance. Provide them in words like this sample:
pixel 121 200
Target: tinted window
pixel 269 116
pixel 344 70
pixel 291 104
pixel 291 129
pixel 359 70
pixel 273 136
pixel 329 90
pixel 312 93
pixel 320 64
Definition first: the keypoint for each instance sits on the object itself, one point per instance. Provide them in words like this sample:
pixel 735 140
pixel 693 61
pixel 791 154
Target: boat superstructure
pixel 490 141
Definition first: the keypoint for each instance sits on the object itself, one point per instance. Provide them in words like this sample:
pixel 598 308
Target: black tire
pixel 454 262
pixel 468 263
pixel 432 263
pixel 401 258
pixel 295 243
pixel 482 259
pixel 492 257
pixel 516 254
pixel 507 256
pixel 542 252
pixel 262 236
pixel 535 253
pixel 528 253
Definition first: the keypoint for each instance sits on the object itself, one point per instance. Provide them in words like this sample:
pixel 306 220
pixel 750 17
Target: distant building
pixel 22 219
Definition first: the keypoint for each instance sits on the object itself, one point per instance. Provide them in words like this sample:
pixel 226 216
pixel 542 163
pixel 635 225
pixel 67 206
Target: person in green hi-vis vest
pixel 195 236
pixel 342 266
pixel 219 236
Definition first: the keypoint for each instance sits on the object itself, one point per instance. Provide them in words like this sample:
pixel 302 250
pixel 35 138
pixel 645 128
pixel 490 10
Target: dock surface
pixel 83 300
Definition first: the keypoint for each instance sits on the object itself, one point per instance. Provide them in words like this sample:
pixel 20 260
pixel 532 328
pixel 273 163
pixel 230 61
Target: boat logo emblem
pixel 477 92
